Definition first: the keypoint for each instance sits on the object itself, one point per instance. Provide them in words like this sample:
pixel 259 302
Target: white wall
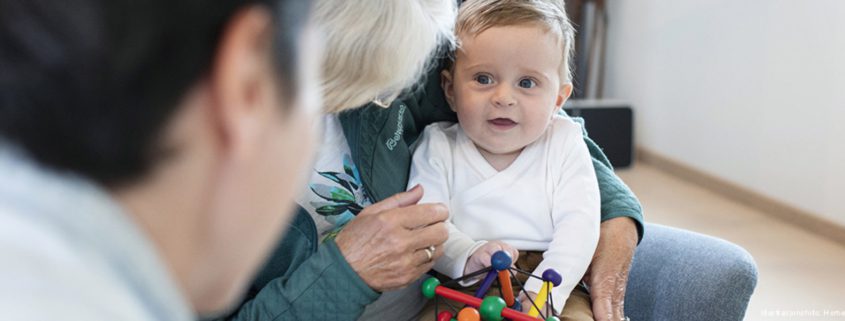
pixel 751 91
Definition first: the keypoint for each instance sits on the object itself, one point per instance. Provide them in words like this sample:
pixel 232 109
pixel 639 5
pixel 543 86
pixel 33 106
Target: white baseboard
pixel 769 206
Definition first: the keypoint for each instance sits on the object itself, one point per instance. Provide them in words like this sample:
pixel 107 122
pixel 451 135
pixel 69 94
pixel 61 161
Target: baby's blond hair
pixel 476 16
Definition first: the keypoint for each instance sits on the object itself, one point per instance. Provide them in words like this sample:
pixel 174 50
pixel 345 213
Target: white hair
pixel 376 48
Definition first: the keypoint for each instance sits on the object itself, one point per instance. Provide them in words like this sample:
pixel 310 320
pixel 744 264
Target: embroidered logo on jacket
pixel 400 128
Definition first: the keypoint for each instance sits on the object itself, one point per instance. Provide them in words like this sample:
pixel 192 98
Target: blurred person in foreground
pixel 150 151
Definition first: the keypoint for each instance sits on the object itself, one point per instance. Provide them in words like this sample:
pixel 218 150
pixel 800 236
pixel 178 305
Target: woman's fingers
pixel 384 251
pixel 423 215
pixel 403 199
pixel 434 234
pixel 428 255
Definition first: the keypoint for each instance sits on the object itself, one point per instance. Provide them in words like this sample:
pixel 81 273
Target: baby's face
pixel 506 85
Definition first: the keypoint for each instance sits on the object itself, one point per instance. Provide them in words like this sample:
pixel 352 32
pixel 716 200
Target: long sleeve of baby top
pixel 546 200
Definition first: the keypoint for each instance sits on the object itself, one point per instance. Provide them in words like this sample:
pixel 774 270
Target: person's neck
pixel 164 207
pixel 499 162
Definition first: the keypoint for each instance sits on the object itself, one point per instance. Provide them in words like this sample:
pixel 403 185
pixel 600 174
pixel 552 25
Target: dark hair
pixel 88 85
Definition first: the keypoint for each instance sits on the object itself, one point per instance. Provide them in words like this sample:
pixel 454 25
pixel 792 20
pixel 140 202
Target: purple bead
pixel 501 260
pixel 551 275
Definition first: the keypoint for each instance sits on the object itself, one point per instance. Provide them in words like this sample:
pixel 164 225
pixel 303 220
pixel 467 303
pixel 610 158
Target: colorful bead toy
pixel 493 308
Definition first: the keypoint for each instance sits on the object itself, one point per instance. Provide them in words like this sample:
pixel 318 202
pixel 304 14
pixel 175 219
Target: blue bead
pixel 500 260
pixel 551 275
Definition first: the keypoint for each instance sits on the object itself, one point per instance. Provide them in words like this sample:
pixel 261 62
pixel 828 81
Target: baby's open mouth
pixel 502 122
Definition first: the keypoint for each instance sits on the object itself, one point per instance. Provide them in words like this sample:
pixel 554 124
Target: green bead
pixel 552 318
pixel 491 308
pixel 429 286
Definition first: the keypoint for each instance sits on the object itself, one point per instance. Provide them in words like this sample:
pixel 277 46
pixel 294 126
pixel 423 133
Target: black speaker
pixel 610 124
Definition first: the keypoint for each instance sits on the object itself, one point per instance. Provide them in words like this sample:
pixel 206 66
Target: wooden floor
pixel 799 271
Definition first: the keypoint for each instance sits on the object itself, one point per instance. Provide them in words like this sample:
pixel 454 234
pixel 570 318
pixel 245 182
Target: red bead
pixel 444 316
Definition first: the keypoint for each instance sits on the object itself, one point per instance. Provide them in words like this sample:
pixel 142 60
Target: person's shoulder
pixel 564 123
pixel 437 140
pixel 68 280
pixel 443 131
pixel 564 131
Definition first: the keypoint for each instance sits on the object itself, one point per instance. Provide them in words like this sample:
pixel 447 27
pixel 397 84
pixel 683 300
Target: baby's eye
pixel 483 79
pixel 527 83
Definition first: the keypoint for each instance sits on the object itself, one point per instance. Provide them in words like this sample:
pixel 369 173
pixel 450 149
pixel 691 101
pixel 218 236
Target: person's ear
pixel 447 83
pixel 242 83
pixel 562 95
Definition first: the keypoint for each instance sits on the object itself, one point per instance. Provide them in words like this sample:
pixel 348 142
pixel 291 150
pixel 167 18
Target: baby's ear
pixel 448 87
pixel 562 95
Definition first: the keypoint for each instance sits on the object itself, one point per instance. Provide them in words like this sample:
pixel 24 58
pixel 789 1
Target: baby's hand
pixel 481 257
pixel 526 304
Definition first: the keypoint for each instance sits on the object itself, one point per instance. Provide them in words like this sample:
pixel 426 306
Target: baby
pixel 515 173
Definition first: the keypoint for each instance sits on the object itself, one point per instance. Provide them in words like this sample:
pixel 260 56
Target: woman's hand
pixel 607 276
pixel 388 243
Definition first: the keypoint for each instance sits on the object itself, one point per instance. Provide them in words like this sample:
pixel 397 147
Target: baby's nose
pixel 504 97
